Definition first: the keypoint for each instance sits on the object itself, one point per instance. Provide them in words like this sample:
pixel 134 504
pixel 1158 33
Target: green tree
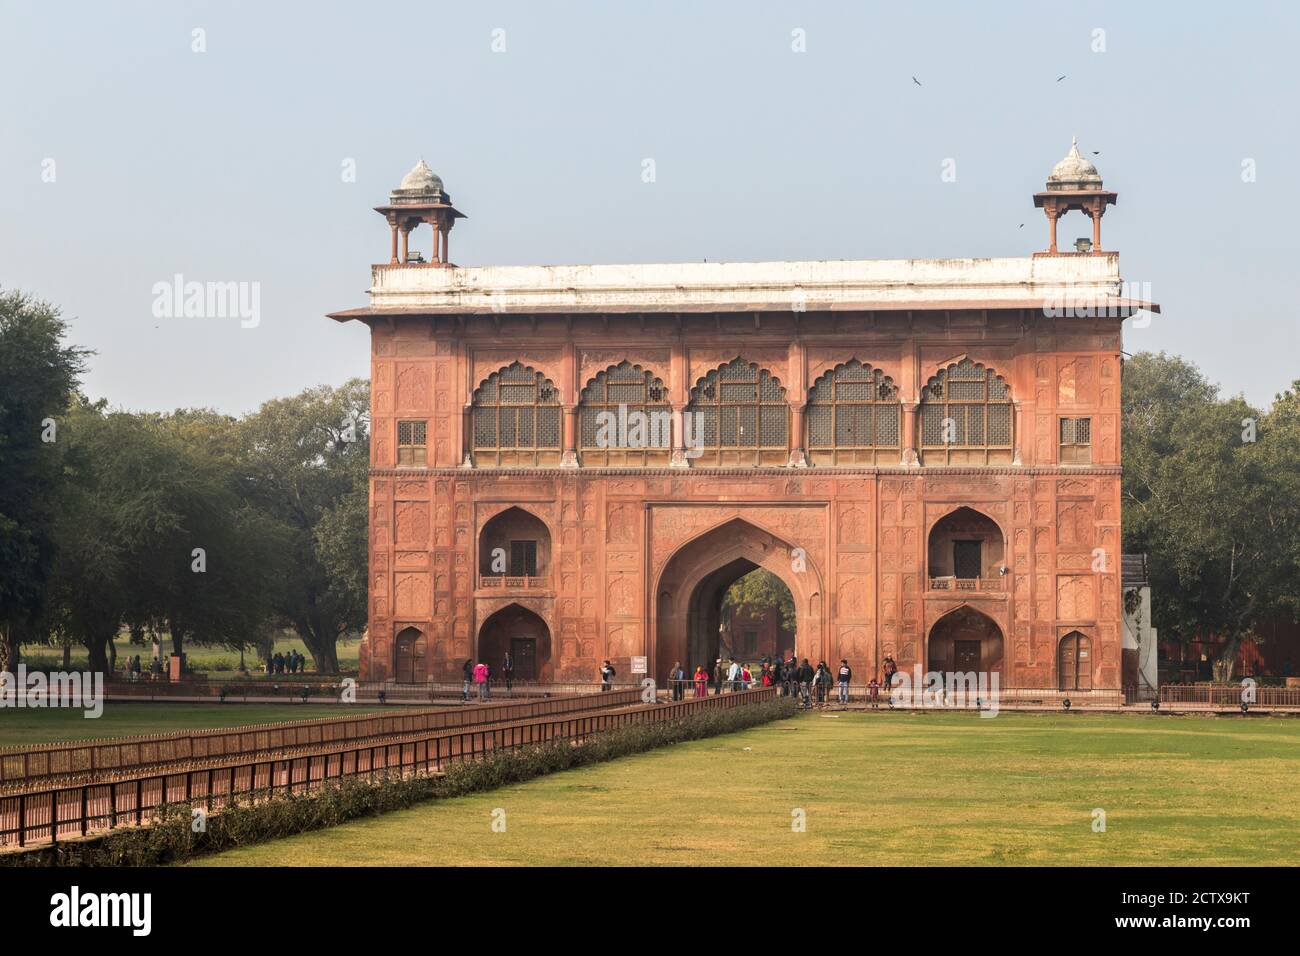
pixel 755 592
pixel 304 464
pixel 38 373
pixel 1201 498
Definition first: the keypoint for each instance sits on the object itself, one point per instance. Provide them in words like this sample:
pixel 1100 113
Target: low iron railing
pixel 1228 695
pixel 24 764
pixel 48 815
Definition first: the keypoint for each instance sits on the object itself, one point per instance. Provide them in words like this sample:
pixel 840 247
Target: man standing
pixel 805 682
pixel 467 673
pixel 607 673
pixel 676 680
pixel 733 677
pixel 717 676
pixel 845 677
pixel 508 672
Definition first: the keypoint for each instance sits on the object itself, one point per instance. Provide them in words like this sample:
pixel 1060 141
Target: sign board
pixel 638 665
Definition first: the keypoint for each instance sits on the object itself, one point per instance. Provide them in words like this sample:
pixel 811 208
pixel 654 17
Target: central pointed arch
pixel 965 640
pixel 685 612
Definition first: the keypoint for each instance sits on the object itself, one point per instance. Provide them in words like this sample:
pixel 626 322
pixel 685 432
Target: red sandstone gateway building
pixel 926 452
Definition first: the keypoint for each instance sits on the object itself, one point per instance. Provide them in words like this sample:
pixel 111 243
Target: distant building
pixel 574 463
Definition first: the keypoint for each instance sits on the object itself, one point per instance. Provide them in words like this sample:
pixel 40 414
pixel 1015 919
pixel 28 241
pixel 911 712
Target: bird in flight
pixel 1061 77
pixel 916 81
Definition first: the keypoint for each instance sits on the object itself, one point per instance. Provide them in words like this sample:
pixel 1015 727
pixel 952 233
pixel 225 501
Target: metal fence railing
pixel 1228 695
pixel 299 690
pixel 24 764
pixel 48 815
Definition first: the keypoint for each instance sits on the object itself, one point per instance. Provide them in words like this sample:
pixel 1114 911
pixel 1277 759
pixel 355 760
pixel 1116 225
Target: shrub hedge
pixel 172 839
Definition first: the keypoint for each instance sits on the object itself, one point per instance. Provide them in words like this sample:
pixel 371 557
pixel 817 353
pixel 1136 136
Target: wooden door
pixel 405 665
pixel 1075 662
pixel 524 652
pixel 967 559
pixel 966 656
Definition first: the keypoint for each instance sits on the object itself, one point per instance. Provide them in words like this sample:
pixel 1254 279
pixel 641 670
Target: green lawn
pixel 885 788
pixel 218 662
pixel 22 727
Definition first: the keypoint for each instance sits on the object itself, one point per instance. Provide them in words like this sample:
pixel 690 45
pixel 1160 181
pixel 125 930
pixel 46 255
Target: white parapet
pixel 749 286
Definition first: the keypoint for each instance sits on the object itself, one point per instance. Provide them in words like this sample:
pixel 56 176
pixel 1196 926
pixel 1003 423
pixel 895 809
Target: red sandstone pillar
pixel 1051 222
pixel 797 457
pixel 1096 230
pixel 393 260
pixel 446 243
pixel 908 411
pixel 467 434
pixel 569 459
pixel 406 232
pixel 1017 424
pixel 437 241
pixel 678 457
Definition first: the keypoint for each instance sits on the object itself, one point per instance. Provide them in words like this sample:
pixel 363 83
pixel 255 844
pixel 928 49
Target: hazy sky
pixel 227 165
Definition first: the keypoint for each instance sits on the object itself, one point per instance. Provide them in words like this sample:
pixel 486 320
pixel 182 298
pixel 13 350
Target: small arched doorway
pixel 965 641
pixel 1074 662
pixel 524 636
pixel 514 549
pixel 407 660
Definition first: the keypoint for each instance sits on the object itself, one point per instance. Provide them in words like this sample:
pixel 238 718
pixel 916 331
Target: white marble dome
pixel 1074 172
pixel 420 186
pixel 421 177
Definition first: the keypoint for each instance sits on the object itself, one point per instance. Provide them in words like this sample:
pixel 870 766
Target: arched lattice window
pixel 739 416
pixel 516 418
pixel 853 417
pixel 624 418
pixel 966 417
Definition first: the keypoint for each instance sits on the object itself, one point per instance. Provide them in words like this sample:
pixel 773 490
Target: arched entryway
pixel 408 662
pixel 688 623
pixel 524 635
pixel 965 641
pixel 1074 662
pixel 965 552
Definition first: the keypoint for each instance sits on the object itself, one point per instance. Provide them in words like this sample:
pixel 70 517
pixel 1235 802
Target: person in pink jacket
pixel 480 679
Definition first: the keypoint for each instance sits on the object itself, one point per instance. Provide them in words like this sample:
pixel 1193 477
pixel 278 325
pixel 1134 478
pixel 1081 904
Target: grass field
pixel 21 727
pixel 887 788
pixel 217 661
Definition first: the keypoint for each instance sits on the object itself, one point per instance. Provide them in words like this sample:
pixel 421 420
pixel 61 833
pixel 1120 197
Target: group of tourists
pixel 792 676
pixel 134 668
pixel 291 663
pixel 478 677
